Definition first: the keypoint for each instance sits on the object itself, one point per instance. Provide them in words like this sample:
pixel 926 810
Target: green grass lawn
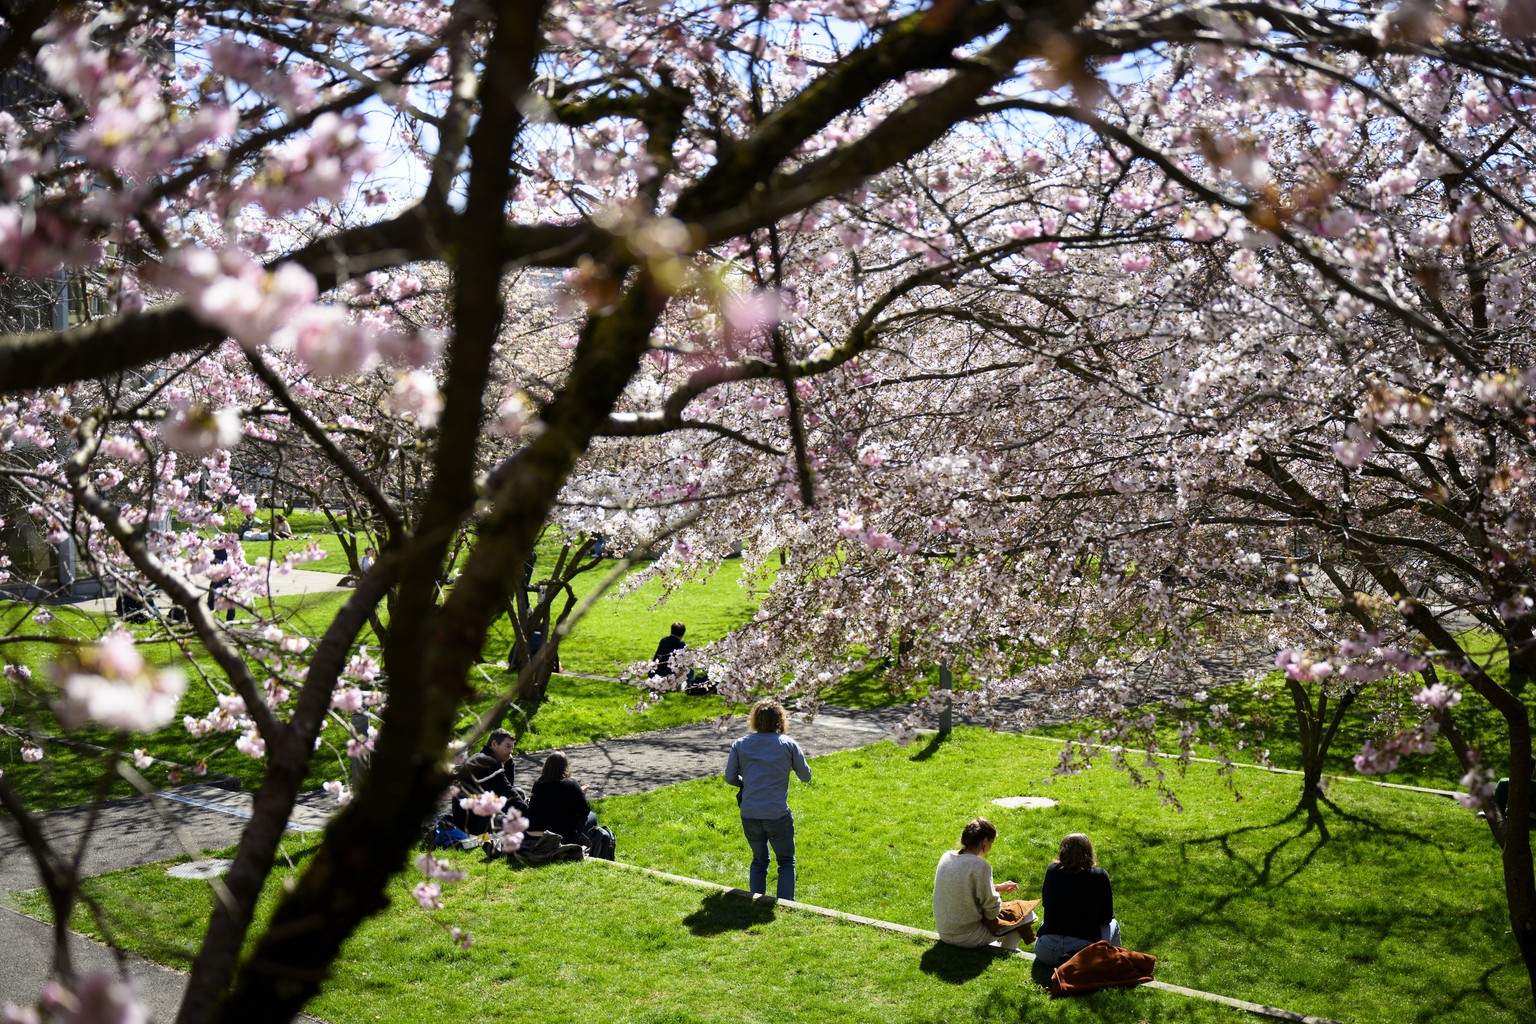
pixel 1384 909
pixel 71 775
pixel 688 957
pixel 275 551
pixel 624 628
pixel 307 526
pixel 1350 916
pixel 577 710
pixel 619 631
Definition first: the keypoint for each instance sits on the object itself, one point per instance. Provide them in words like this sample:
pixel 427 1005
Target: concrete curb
pixel 1259 1009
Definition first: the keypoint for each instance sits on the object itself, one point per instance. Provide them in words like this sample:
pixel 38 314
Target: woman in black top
pixel 559 804
pixel 1078 903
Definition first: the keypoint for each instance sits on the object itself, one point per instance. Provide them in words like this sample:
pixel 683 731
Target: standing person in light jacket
pixel 759 765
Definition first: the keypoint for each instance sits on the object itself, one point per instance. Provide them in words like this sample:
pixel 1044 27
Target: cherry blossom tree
pixel 768 286
pixel 1270 385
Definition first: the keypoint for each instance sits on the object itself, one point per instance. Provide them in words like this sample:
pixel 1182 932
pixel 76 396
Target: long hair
pixel 767 716
pixel 1076 853
pixel 556 767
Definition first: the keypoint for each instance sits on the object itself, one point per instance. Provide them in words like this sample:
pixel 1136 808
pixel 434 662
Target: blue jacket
pixel 760 763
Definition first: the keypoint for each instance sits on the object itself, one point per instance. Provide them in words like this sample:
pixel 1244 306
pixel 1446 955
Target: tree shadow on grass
pixel 731 911
pixel 1262 873
pixel 932 747
pixel 957 966
pixel 288 855
pixel 1452 1001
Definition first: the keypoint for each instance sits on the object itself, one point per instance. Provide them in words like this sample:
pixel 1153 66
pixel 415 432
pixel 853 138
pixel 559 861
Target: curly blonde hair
pixel 767 716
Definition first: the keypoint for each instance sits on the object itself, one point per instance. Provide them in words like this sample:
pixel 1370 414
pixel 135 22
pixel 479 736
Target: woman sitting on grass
pixel 1078 902
pixel 559 803
pixel 966 904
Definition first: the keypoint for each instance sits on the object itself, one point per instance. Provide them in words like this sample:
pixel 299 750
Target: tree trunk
pixel 1521 643
pixel 533 678
pixel 1316 726
pixel 1310 734
pixel 1519 872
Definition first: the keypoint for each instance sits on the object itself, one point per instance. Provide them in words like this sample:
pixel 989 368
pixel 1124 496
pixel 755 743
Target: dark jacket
pixel 669 646
pixel 484 774
pixel 559 806
pixel 1076 903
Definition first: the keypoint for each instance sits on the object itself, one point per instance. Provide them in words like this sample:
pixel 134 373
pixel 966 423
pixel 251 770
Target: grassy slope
pixel 587 710
pixel 1242 898
pixel 623 629
pixel 620 630
pixel 706 958
pixel 1336 917
pixel 69 776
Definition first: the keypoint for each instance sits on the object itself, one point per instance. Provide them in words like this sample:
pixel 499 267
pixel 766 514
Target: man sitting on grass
pixel 489 771
pixel 966 905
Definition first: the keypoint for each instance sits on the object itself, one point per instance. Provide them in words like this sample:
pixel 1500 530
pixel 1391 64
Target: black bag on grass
pixel 600 843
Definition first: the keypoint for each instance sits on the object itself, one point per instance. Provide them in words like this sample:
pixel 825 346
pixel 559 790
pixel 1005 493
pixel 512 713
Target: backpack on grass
pixel 600 843
pixel 547 848
pixel 445 834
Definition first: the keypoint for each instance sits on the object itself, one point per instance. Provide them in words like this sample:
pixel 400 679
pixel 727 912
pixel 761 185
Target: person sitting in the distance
pixel 280 528
pixel 966 903
pixel 559 803
pixel 1078 903
pixel 364 563
pixel 489 771
pixel 133 606
pixel 670 644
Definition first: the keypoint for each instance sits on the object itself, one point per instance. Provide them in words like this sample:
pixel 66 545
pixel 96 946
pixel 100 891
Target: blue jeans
pixel 586 829
pixel 1055 950
pixel 780 833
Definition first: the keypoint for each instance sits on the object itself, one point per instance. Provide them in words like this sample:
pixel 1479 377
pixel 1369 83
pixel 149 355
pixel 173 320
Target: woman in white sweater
pixel 965 900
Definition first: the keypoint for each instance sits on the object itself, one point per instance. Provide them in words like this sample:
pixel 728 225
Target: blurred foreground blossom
pixel 111 685
pixel 95 999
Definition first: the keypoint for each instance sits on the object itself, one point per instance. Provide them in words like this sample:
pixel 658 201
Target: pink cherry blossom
pixel 110 685
pixel 429 895
pixel 483 804
pixel 1437 696
pixel 439 869
pixel 197 430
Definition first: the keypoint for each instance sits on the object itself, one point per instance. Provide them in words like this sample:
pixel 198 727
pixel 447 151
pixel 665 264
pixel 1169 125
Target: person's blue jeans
pixel 780 834
pixel 586 829
pixel 1055 950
